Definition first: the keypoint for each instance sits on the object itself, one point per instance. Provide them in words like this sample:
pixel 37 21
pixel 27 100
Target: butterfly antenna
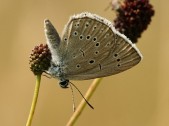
pixel 74 108
pixel 82 96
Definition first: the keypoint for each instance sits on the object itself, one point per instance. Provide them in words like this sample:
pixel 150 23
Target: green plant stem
pixel 82 104
pixel 34 101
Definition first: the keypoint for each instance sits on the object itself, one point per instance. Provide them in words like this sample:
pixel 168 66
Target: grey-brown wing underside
pixel 92 48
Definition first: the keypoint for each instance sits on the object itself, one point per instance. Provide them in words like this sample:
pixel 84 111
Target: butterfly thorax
pixel 56 71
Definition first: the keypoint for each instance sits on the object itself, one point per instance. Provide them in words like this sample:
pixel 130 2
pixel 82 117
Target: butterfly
pixel 90 47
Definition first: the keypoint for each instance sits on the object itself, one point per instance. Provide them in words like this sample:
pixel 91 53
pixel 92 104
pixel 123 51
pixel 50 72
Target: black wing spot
pixel 78 66
pixel 88 37
pixel 118 60
pixel 91 61
pixel 115 55
pixel 81 37
pixel 65 39
pixel 118 65
pixel 94 27
pixel 75 33
pixel 96 52
pixel 87 25
pixel 97 44
pixel 77 24
pixel 94 39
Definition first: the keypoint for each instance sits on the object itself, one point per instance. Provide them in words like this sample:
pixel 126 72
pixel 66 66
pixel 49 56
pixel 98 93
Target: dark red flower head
pixel 133 17
pixel 40 59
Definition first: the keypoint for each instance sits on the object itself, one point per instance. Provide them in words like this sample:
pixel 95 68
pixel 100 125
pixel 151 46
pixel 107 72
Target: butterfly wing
pixel 92 48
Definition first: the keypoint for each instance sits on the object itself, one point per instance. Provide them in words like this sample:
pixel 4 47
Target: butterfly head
pixel 64 83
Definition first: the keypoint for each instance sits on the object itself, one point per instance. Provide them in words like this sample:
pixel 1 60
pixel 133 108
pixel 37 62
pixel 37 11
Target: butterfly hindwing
pixel 92 48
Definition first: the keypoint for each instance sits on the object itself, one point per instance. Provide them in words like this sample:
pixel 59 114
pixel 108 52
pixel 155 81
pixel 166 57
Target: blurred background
pixel 137 97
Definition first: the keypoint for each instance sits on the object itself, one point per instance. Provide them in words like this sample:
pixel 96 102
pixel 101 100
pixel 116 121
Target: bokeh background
pixel 137 97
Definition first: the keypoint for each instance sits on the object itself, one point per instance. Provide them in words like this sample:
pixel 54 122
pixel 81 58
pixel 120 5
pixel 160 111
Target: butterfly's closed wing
pixel 92 48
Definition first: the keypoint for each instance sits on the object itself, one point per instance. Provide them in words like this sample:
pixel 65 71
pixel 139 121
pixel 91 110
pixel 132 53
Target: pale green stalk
pixel 34 101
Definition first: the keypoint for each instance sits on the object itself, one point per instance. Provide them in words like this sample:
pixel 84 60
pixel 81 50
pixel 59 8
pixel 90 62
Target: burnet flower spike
pixel 133 17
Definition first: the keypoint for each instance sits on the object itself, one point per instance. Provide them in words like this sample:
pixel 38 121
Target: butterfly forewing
pixel 92 48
